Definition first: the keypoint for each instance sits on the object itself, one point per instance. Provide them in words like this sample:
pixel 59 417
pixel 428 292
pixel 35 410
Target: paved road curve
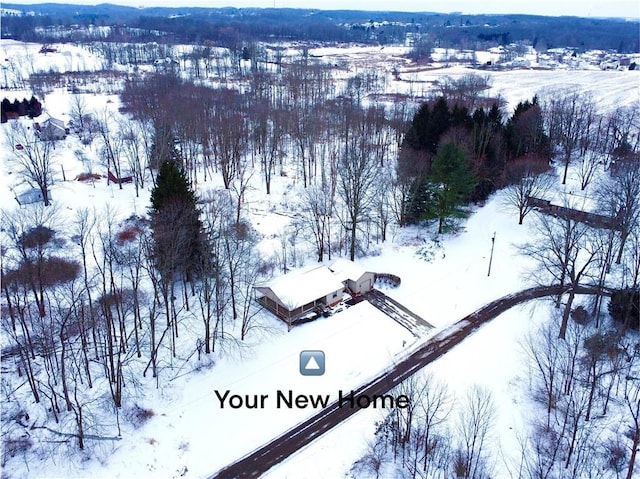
pixel 261 460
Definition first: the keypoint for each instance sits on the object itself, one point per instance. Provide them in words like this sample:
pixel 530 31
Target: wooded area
pixel 92 306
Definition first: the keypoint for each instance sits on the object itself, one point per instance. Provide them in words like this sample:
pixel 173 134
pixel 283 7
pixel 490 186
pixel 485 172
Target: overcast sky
pixel 581 8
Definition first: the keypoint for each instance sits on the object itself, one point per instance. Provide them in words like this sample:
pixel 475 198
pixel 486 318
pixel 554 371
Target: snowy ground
pixel 190 435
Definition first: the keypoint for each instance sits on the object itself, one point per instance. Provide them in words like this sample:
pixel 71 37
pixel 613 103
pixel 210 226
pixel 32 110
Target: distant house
pixel 51 129
pixel 33 195
pixel 355 279
pixel 292 295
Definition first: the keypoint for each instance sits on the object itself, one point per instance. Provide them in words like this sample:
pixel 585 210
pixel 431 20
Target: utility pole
pixel 493 243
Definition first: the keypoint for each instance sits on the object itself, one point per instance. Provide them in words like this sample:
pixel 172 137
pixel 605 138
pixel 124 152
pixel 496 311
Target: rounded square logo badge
pixel 312 363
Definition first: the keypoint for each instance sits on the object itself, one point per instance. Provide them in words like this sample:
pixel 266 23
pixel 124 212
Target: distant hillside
pixel 232 26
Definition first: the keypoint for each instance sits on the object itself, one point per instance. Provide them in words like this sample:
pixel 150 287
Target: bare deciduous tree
pixel 318 208
pixel 588 167
pixel 475 421
pixel 565 253
pixel 435 404
pixel 112 142
pixel 83 122
pixel 227 135
pixel 358 171
pixel 34 156
pixel 542 349
pixel 619 197
pixel 569 117
pixel 632 404
pixel 527 182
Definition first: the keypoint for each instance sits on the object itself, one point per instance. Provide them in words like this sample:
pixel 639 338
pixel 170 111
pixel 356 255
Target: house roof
pixel 54 122
pixel 303 286
pixel 344 269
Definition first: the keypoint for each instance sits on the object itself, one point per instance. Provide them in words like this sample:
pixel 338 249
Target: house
pixel 292 295
pixel 51 129
pixel 355 279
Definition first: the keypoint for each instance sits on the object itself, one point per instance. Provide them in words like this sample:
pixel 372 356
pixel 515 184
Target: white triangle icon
pixel 312 364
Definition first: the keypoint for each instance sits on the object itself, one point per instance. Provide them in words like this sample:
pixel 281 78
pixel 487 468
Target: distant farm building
pixel 293 296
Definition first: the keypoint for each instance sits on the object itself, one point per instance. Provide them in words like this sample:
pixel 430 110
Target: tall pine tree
pixel 175 222
pixel 451 181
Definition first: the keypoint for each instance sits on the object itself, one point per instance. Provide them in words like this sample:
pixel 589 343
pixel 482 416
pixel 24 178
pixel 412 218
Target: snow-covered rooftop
pixel 303 286
pixel 344 269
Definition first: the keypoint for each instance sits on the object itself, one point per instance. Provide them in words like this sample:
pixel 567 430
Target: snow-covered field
pixel 190 435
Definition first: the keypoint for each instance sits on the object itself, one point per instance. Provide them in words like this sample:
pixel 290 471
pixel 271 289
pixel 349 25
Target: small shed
pixel 33 195
pixel 293 294
pixel 355 278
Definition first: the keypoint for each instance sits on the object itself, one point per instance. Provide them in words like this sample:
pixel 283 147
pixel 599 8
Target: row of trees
pixel 588 386
pixel 494 153
pixel 490 153
pixel 226 27
pixel 448 156
pixel 585 394
pixel 468 155
pixel 340 147
pixel 30 108
pixel 436 436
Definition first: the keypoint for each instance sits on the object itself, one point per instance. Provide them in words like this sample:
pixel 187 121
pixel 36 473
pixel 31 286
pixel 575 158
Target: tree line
pixel 226 27
pixel 451 155
pixel 31 108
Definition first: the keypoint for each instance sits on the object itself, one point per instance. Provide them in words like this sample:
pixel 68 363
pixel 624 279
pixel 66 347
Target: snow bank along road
pixel 261 460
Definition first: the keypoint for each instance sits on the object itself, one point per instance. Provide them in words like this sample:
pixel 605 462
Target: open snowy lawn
pixel 492 358
pixel 610 89
pixel 445 281
pixel 23 59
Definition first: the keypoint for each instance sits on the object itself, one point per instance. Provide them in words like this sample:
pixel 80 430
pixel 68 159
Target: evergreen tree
pixel 15 106
pixel 624 307
pixel 524 132
pixel 451 181
pixel 6 105
pixel 175 222
pixel 171 186
pixel 487 133
pixel 428 125
pixel 35 107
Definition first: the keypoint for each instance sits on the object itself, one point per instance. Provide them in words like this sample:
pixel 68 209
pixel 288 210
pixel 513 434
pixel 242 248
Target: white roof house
pixel 300 291
pixel 292 295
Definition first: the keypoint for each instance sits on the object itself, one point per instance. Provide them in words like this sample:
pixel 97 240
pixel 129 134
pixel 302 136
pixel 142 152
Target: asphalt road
pixel 258 462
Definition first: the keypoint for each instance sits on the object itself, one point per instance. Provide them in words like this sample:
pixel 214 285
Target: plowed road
pixel 261 460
